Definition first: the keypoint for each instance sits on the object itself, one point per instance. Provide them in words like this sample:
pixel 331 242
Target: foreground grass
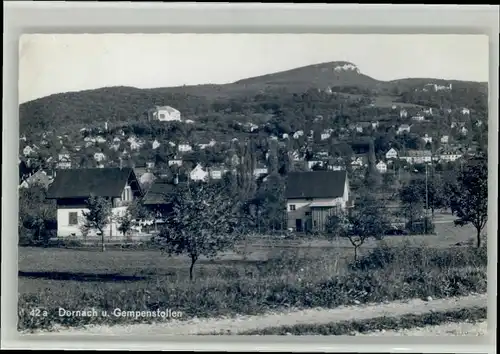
pixel 376 324
pixel 51 279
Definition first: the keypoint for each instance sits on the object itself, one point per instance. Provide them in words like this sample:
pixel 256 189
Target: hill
pixel 68 111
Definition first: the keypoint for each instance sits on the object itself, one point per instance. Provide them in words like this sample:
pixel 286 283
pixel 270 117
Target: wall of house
pixel 64 229
pixel 303 211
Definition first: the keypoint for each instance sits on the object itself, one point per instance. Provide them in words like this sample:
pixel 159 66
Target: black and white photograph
pixel 253 184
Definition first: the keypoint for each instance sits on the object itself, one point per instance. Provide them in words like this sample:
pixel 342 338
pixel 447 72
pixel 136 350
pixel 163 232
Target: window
pixel 315 223
pixel 292 207
pixel 127 194
pixel 162 116
pixel 308 213
pixel 73 218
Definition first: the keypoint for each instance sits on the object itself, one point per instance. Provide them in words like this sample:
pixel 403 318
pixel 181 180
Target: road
pixel 293 317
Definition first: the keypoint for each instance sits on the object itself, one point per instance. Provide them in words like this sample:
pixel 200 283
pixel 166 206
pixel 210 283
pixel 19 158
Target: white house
pixel 100 140
pixel 184 148
pixel 155 144
pixel 198 174
pixel 391 154
pixel 417 156
pixel 381 167
pixel 403 113
pixel 298 134
pixel 357 163
pixel 259 171
pixel 465 111
pixel 99 156
pixel 403 128
pixel 73 187
pixel 418 118
pixel 217 172
pixel 312 197
pixel 28 150
pixel 449 155
pixel 325 136
pixel 445 139
pixel 427 139
pixel 64 160
pixel 165 114
pixel 427 111
pixel 176 162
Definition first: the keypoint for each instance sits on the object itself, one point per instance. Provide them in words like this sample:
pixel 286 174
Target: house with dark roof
pixel 312 197
pixel 158 197
pixel 71 189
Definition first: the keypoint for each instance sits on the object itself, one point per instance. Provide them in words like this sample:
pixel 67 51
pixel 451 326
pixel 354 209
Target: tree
pixel 203 222
pixel 369 219
pixel 98 216
pixel 469 200
pixel 125 223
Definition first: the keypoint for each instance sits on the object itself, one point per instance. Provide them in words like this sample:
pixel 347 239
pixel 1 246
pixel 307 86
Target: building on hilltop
pixel 164 114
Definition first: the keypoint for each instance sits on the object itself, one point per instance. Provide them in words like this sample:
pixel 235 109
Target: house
pixel 298 134
pixel 357 163
pixel 418 118
pixel 99 157
pixel 427 111
pixel 64 160
pixel 40 178
pixel 325 136
pixel 312 197
pixel 155 144
pixel 28 150
pixel 284 136
pixel 449 155
pixel 417 156
pixel 381 167
pixel 260 170
pixel 403 128
pixel 198 173
pixel 73 187
pixel 403 113
pixel 164 114
pixel 312 163
pixel 375 125
pixel 175 161
pixel 184 148
pixel 391 154
pixel 427 139
pixel 465 111
pixel 158 198
pixel 464 131
pixel 445 139
pixel 217 172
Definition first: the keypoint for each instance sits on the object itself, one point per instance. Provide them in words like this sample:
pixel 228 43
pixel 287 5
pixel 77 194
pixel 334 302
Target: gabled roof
pixel 84 182
pixel 317 184
pixel 160 192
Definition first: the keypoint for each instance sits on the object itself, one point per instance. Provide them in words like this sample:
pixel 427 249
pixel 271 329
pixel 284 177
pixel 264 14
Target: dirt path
pixel 310 316
pixel 448 329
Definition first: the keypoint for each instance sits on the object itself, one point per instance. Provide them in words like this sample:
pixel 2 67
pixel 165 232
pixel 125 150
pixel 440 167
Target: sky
pixel 54 63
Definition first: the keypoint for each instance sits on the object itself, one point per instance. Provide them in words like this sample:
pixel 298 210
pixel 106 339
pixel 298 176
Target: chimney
pixel 176 179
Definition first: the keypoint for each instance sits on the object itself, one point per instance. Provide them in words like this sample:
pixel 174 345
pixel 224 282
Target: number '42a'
pixel 38 313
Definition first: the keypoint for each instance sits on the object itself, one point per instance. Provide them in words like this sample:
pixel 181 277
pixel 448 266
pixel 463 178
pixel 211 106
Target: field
pixel 263 275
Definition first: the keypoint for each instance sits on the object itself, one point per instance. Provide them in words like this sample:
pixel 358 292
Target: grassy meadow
pixel 263 275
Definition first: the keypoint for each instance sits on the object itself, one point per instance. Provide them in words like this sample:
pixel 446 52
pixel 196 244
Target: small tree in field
pixel 368 219
pixel 125 223
pixel 202 223
pixel 469 200
pixel 97 217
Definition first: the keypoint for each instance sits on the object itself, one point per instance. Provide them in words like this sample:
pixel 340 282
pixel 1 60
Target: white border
pixel 123 17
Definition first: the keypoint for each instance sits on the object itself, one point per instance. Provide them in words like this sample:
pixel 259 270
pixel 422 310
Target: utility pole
pixel 426 199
